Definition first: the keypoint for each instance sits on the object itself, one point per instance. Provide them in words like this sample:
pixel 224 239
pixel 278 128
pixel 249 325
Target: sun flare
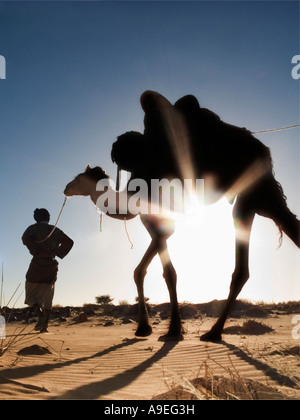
pixel 203 248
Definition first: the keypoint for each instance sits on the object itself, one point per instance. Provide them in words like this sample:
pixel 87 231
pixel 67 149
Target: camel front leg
pixel 243 224
pixel 170 276
pixel 144 328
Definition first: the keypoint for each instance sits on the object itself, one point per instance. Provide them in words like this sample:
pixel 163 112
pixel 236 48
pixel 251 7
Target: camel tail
pixel 273 204
pixel 288 222
pixel 290 225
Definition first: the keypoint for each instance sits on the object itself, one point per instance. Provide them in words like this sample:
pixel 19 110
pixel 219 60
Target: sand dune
pixel 91 361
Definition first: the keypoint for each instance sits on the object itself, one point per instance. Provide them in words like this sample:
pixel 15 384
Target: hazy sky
pixel 75 72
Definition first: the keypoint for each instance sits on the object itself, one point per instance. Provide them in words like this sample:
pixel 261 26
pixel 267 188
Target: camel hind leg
pixel 243 215
pixel 269 201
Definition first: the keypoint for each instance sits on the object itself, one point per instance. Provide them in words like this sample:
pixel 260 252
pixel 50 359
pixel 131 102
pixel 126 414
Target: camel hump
pixel 188 103
pixel 189 107
pixel 151 100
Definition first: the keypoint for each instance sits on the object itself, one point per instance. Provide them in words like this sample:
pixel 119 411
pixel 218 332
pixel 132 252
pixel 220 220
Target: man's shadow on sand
pixel 91 390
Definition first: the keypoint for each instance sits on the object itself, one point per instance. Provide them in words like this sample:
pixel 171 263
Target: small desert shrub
pixel 104 299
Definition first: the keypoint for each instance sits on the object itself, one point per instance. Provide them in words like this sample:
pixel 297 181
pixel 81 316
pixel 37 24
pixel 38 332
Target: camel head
pixel 85 183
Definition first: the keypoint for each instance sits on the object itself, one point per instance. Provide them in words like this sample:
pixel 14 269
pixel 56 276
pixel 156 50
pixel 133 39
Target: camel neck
pixel 95 195
pixel 116 215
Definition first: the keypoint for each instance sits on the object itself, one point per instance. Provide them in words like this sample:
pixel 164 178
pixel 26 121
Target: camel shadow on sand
pixel 269 371
pixel 104 387
pixel 98 389
pixel 92 390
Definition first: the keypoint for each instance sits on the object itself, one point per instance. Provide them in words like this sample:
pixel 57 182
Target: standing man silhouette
pixel 42 273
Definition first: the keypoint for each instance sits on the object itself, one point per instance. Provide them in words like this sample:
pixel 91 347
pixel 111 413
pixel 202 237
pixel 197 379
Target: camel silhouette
pixel 184 141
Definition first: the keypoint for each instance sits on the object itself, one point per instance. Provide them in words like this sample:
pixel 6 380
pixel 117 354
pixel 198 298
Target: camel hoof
pixel 171 337
pixel 143 331
pixel 211 336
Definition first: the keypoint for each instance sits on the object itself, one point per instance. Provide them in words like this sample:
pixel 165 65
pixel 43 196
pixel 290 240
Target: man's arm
pixel 30 243
pixel 65 246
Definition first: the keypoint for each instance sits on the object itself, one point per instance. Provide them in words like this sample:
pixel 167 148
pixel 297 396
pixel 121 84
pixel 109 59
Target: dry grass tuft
pixel 208 386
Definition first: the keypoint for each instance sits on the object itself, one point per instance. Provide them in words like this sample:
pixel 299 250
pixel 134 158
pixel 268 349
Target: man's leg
pixel 48 295
pixel 46 317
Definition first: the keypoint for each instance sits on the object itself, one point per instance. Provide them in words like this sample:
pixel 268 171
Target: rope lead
pixel 54 227
pixel 276 129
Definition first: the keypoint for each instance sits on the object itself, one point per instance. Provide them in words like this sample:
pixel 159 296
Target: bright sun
pixel 203 249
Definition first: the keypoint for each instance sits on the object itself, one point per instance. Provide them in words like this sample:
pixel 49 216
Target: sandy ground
pixel 91 361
